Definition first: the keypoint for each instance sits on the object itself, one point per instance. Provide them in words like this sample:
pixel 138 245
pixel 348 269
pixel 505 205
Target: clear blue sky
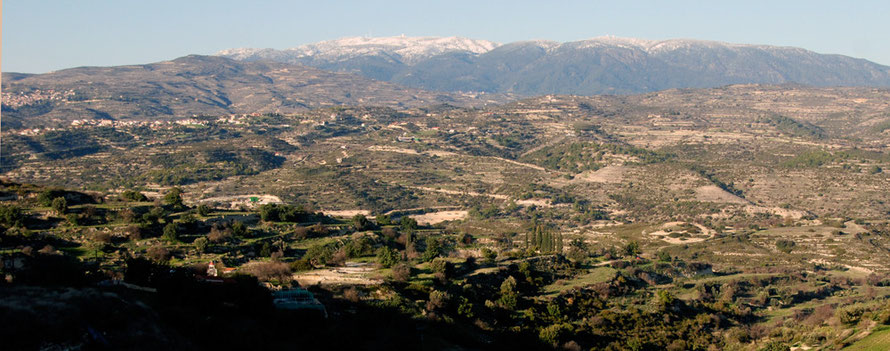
pixel 45 35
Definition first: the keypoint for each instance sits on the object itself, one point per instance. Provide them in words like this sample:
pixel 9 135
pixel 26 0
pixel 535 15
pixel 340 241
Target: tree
pixel 320 254
pixel 73 219
pixel 239 229
pixel 408 223
pixel 509 297
pixel 11 216
pixel 266 249
pixel 433 249
pixel 60 205
pixel 171 232
pixel 47 196
pixel 632 249
pixel 173 198
pixel 132 195
pixel 387 257
pixel 154 215
pixel 201 244
pixel 442 269
pixel 360 222
pixel 489 255
pixel 203 210
pixel 664 300
pixel 269 212
pixel 578 250
pixel 383 219
pixel 188 221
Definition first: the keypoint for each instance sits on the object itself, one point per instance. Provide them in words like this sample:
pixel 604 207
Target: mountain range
pixel 402 72
pixel 200 85
pixel 602 65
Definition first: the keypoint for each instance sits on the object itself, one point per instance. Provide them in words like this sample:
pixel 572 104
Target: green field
pixel 879 340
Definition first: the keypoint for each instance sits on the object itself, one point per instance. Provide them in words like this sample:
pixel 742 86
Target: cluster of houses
pixel 16 100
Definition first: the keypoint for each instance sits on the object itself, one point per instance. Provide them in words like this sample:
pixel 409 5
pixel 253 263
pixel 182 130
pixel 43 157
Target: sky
pixel 46 35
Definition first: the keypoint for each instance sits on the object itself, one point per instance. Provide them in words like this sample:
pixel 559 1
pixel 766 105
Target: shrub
pixel 133 232
pixel 850 315
pixel 300 265
pixel 552 334
pixel 301 233
pixel 47 250
pixel 102 237
pixel 266 271
pixel 401 272
pixel 73 219
pixel 352 295
pixel 438 300
pixel 319 230
pixel 320 254
pixel 218 234
pixel 883 316
pixel 465 239
pixel 158 253
pixel 775 346
pixel 785 245
pixel 442 268
pixel 60 205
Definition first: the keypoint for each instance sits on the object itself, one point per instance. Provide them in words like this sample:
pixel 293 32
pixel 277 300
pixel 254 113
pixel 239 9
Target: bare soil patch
pixel 353 273
pixel 346 213
pixel 608 174
pixel 713 193
pixel 439 217
pixel 247 200
pixel 683 233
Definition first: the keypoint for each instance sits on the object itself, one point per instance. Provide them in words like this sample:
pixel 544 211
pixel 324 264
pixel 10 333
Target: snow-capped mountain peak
pixel 406 49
